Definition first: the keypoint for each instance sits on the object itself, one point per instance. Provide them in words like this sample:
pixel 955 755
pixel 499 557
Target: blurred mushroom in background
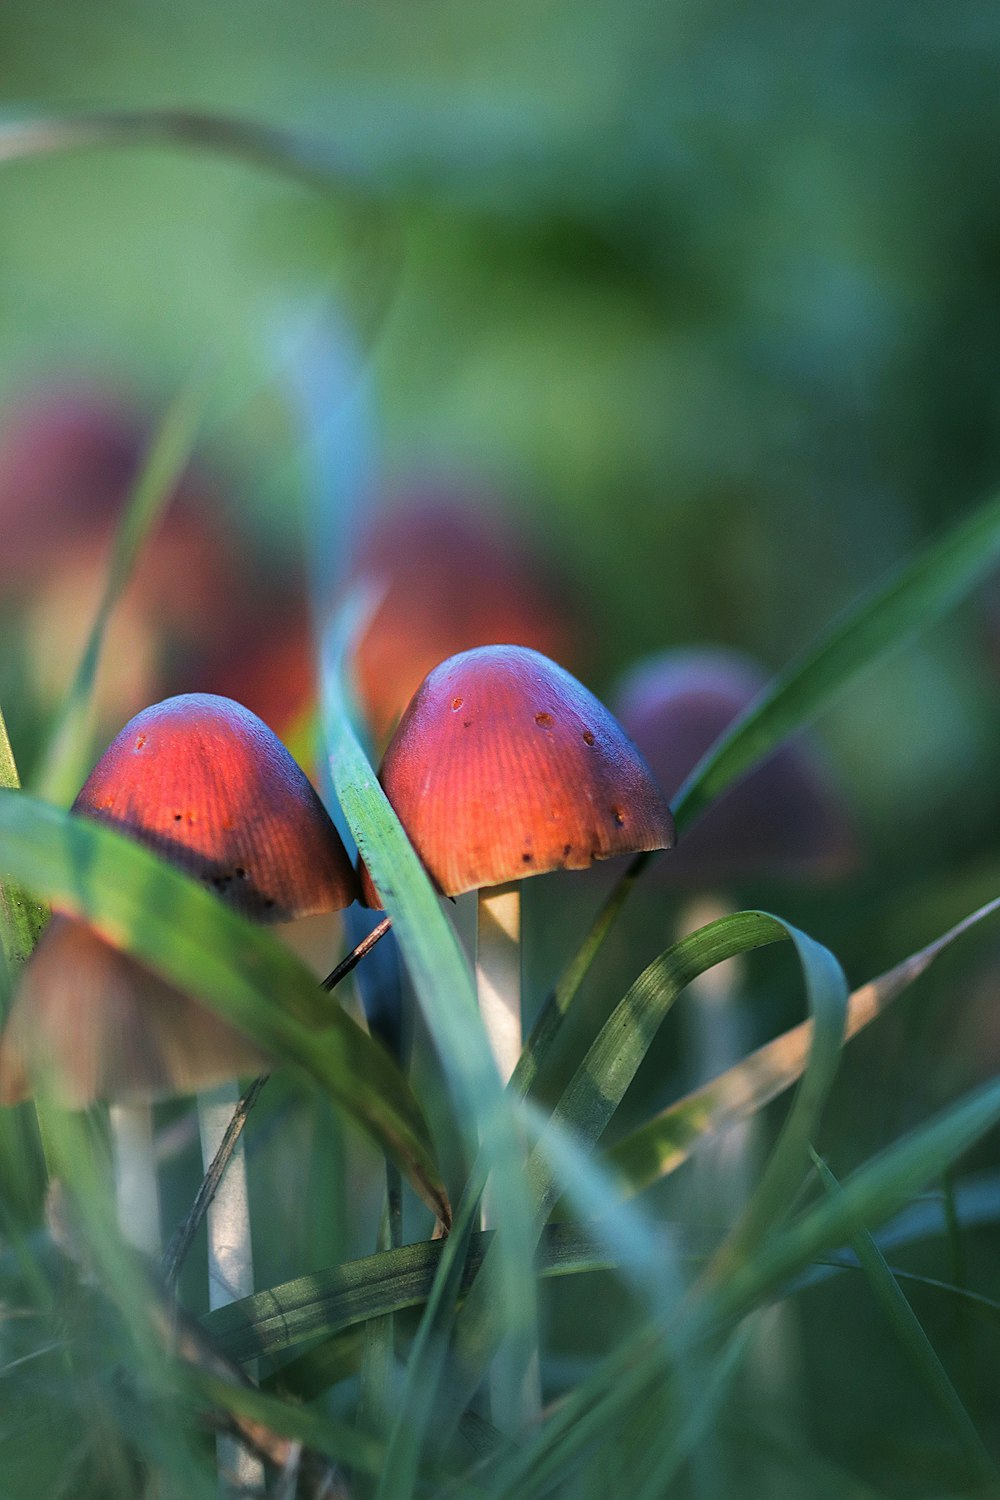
pixel 70 456
pixel 449 574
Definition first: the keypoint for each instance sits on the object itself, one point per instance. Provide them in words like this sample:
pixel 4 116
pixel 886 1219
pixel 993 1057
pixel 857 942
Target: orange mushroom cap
pixel 203 782
pixel 505 766
pixel 108 1028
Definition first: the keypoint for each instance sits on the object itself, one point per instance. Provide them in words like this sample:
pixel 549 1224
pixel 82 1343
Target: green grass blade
pixel 445 991
pixel 67 756
pixel 309 159
pixel 599 1084
pixel 912 1338
pixel 659 1147
pixel 185 934
pixel 21 917
pixel 426 1367
pixel 340 1297
pixel 920 593
pixel 826 990
pixel 550 1017
pixel 323 1434
pixel 870 1196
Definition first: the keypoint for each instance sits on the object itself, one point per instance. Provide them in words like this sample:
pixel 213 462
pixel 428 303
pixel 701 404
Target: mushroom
pixel 785 818
pixel 504 766
pixel 200 780
pixel 70 455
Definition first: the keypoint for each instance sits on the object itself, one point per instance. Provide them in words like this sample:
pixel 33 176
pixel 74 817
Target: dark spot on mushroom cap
pixel 526 858
pixel 567 848
pixel 618 816
pixel 178 817
pixel 544 720
pixel 588 738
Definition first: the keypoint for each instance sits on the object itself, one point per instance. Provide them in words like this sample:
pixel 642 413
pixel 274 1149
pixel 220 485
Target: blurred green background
pixel 710 293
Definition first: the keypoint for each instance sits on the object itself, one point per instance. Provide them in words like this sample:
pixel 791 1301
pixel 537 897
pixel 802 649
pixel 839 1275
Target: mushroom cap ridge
pixel 505 766
pixel 204 783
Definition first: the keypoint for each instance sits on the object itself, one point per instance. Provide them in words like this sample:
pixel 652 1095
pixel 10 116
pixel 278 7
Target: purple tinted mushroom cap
pixel 785 818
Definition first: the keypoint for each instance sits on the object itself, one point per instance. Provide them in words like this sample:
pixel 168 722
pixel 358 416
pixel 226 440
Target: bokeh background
pixel 705 297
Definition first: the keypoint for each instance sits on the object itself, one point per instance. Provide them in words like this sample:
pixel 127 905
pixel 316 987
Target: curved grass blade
pixel 550 1017
pixel 870 1195
pixel 873 1193
pixel 341 1297
pixel 921 592
pixel 826 989
pixel 910 1333
pixel 185 934
pixel 323 1434
pixel 599 1084
pixel 67 755
pixel 309 159
pixel 21 917
pixel 444 987
pixel 659 1147
pixel 426 1366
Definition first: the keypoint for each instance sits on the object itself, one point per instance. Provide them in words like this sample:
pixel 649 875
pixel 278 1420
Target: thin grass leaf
pixel 378 1358
pixel 870 1196
pixel 185 934
pixel 550 1018
pixel 920 593
pixel 340 1297
pixel 426 1365
pixel 255 1408
pixel 309 159
pixel 826 989
pixel 659 1147
pixel 599 1084
pixel 913 1340
pixel 21 917
pixel 444 988
pixel 67 755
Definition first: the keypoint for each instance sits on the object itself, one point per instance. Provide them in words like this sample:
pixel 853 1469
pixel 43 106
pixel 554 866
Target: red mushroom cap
pixel 203 782
pixel 453 579
pixel 783 818
pixel 505 766
pixel 107 1028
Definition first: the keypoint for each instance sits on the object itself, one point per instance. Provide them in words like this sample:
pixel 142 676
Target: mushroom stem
pixel 498 983
pixel 230 1257
pixel 498 972
pixel 136 1193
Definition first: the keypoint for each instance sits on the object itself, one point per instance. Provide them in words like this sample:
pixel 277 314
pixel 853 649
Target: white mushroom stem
pixel 230 1257
pixel 136 1192
pixel 498 984
pixel 498 972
